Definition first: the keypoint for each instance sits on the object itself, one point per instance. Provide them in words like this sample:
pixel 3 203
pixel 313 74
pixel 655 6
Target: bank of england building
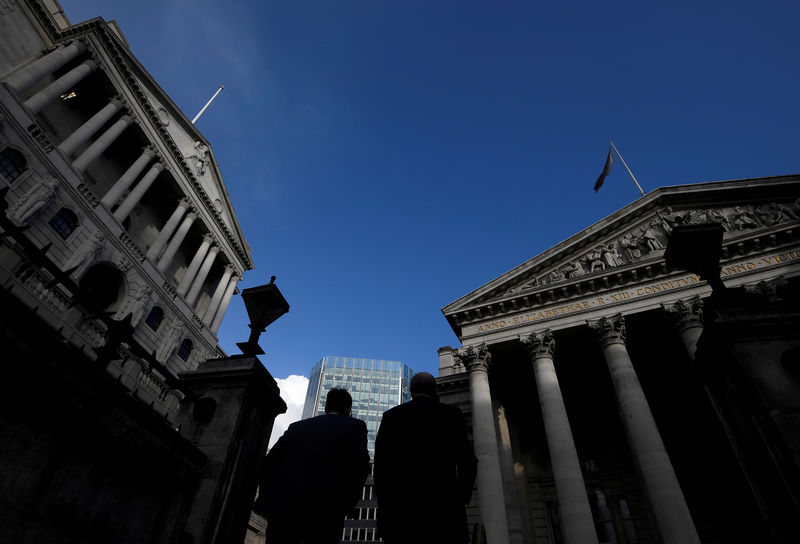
pixel 613 398
pixel 122 420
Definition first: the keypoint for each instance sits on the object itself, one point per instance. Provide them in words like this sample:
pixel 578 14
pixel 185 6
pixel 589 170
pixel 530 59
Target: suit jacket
pixel 318 465
pixel 424 472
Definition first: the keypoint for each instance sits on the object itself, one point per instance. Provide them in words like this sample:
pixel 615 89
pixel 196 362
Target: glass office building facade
pixel 375 385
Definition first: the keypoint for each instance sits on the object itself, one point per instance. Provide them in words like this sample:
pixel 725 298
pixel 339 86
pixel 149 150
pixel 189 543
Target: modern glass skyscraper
pixel 375 385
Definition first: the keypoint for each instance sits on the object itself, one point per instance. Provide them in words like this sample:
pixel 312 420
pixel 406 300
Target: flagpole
pixel 626 167
pixel 196 117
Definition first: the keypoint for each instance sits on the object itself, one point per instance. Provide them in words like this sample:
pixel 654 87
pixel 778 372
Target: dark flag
pixel 606 171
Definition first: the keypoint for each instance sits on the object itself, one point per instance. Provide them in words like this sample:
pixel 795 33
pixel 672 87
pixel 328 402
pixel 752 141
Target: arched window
pixel 185 350
pixel 12 164
pixel 64 222
pixel 154 318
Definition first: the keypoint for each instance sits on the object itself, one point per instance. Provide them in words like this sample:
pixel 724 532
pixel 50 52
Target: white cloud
pixel 293 393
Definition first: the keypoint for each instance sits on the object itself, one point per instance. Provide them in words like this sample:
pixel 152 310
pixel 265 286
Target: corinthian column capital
pixel 539 344
pixel 609 330
pixel 686 313
pixel 118 101
pixel 474 358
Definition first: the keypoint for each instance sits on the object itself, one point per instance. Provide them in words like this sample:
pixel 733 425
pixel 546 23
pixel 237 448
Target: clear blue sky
pixel 385 158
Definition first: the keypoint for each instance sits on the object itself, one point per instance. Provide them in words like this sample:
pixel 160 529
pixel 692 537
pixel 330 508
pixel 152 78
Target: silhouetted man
pixel 313 475
pixel 424 470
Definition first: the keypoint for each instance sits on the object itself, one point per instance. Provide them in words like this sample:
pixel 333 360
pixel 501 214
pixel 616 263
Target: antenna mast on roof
pixel 196 117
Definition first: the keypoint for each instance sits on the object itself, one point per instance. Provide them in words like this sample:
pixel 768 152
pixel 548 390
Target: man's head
pixel 423 383
pixel 338 401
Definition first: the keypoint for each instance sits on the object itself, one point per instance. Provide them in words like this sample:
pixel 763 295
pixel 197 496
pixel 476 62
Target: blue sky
pixel 386 158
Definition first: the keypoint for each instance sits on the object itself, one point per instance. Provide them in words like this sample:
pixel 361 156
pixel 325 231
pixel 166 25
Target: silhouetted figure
pixel 424 470
pixel 313 475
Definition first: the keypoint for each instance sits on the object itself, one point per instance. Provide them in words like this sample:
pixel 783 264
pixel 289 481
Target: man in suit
pixel 424 470
pixel 313 475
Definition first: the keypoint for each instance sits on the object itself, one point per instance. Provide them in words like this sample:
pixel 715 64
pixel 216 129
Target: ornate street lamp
pixel 697 248
pixel 264 304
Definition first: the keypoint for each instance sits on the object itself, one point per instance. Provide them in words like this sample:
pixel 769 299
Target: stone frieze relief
pixel 650 238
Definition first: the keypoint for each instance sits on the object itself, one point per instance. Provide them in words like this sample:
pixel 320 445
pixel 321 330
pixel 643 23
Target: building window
pixel 12 164
pixel 154 318
pixel 603 524
pixel 185 350
pixel 64 222
pixel 626 518
pixel 553 521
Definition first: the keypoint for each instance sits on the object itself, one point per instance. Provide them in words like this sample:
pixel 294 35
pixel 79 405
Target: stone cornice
pixel 118 53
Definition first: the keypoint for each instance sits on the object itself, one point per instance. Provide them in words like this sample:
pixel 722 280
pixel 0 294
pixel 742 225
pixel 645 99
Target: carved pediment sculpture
pixel 625 245
pixel 649 238
pixel 198 158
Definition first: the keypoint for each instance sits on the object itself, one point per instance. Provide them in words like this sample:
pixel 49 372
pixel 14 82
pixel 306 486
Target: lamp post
pixel 264 304
pixel 697 248
pixel 234 404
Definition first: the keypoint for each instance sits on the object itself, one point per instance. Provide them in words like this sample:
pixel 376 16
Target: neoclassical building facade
pixel 101 167
pixel 122 418
pixel 613 399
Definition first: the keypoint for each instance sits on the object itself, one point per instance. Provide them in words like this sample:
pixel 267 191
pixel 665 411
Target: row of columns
pixel 135 181
pixel 577 524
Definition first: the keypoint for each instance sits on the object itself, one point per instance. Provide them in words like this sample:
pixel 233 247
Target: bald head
pixel 423 383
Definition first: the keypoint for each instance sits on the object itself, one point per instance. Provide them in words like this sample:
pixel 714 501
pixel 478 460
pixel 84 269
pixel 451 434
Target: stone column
pixel 194 265
pixel 516 534
pixel 200 279
pixel 138 192
pixel 86 130
pixel 175 243
pixel 688 316
pixel 577 524
pixel 216 298
pixel 127 179
pixel 61 85
pixel 223 306
pixel 661 484
pixel 47 64
pixel 169 228
pixel 101 144
pixel 491 499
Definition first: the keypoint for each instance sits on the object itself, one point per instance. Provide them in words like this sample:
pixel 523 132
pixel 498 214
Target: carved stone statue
pixel 34 201
pixel 611 256
pixel 718 216
pixel 555 276
pixel 669 219
pixel 696 216
pixel 595 260
pixel 774 213
pixel 651 238
pixel 86 255
pixel 199 157
pixel 744 218
pixel 631 247
pixel 170 340
pixel 572 270
pixel 139 304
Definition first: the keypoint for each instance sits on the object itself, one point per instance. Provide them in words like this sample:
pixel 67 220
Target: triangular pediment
pixel 198 156
pixel 628 245
pixel 191 156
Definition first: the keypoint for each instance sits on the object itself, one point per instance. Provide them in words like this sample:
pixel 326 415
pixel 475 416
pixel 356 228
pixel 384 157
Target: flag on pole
pixel 606 170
